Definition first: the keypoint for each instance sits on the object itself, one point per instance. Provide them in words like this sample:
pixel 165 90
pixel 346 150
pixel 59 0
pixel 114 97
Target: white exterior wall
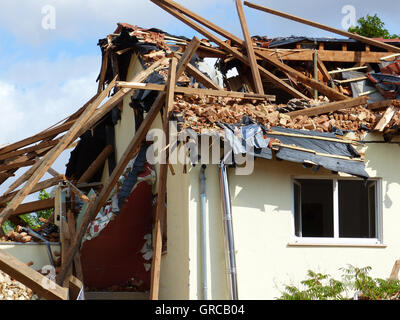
pixel 262 224
pixel 263 229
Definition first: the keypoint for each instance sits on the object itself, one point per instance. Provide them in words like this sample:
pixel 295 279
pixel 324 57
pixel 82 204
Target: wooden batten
pixel 330 107
pixel 38 283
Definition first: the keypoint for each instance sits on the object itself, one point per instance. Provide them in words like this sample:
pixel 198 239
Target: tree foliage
pixel 320 286
pixel 372 27
pixel 32 219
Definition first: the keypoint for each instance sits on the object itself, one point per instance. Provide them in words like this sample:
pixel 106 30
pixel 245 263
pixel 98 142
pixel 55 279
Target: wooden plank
pixel 65 237
pixel 347 69
pixel 203 21
pixel 39 146
pixel 72 231
pixel 77 192
pixel 384 121
pixel 351 35
pixel 162 183
pixel 95 206
pixel 394 275
pixel 34 206
pixel 54 153
pixel 103 71
pixel 330 107
pixel 327 91
pixel 380 104
pixel 17 165
pixel 75 243
pixel 351 80
pixel 325 55
pixel 249 48
pixel 293 147
pixel 115 99
pixel 96 164
pixel 40 186
pixel 210 52
pixel 50 132
pixel 25 142
pixel 265 73
pixel 196 91
pixel 187 55
pixel 38 283
pixel 324 71
pixel 287 134
pixel 75 286
pixel 200 77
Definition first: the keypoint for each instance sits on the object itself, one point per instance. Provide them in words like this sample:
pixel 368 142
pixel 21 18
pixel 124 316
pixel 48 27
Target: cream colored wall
pixel 36 253
pixel 125 128
pixel 216 272
pixel 263 228
pixel 174 277
pixel 262 223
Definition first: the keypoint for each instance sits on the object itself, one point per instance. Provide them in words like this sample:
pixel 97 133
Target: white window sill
pixel 336 242
pixel 316 244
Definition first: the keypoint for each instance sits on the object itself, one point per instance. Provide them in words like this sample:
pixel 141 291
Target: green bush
pixel 318 286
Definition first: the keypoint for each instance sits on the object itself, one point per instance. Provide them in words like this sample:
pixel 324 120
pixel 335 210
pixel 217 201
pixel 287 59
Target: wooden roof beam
pixel 351 35
pixel 265 73
pixel 330 107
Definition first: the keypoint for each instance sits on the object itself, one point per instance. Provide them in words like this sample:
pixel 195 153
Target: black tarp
pixel 353 167
pixel 257 135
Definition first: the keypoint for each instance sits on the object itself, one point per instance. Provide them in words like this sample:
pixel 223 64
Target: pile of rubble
pixel 204 112
pixel 11 289
pixel 48 231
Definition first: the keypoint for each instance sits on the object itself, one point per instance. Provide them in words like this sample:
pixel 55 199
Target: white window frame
pixel 336 240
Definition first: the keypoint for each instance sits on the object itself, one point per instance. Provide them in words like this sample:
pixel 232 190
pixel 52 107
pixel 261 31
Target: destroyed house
pixel 279 156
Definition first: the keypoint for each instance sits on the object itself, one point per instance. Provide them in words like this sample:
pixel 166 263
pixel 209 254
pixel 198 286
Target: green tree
pixel 32 219
pixel 372 27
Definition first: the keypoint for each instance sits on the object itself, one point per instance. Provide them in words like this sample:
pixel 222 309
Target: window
pixel 336 211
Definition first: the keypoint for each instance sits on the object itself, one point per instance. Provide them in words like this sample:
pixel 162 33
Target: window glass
pixel 356 209
pixel 316 208
pixel 319 209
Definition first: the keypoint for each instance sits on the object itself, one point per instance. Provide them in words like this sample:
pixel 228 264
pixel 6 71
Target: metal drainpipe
pixel 228 229
pixel 203 228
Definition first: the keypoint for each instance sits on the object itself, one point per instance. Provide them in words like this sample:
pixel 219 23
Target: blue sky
pixel 46 75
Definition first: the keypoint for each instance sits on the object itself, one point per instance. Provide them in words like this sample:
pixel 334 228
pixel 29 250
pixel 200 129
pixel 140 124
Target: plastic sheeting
pixel 256 136
pixel 353 167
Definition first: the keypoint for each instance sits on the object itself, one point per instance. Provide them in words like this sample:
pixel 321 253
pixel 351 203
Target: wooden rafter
pixel 195 91
pixel 249 48
pixel 351 35
pixel 265 73
pixel 38 283
pixel 330 107
pixel 54 153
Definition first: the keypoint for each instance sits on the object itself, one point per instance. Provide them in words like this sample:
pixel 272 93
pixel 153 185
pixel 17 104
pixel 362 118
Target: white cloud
pixel 77 19
pixel 38 94
pixel 91 19
pixel 12 115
